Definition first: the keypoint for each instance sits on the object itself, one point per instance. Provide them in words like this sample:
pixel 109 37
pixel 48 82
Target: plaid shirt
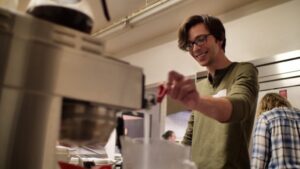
pixel 276 142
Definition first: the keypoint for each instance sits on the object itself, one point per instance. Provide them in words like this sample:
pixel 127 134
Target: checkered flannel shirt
pixel 276 140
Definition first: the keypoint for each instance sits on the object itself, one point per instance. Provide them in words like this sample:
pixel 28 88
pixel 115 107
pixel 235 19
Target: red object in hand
pixel 162 91
pixel 106 167
pixel 103 167
pixel 64 165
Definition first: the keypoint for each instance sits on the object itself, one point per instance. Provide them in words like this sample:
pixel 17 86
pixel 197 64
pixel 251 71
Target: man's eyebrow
pixel 197 37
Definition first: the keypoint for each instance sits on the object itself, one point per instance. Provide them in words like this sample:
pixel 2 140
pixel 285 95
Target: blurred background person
pixel 276 139
pixel 169 135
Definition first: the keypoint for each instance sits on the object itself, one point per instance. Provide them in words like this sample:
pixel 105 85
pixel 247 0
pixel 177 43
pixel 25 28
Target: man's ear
pixel 220 43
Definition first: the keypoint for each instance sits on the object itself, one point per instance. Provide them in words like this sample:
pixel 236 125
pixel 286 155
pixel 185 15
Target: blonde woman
pixel 276 140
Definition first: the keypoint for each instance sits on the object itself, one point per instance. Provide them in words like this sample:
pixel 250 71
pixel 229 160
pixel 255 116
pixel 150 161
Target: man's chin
pixel 203 63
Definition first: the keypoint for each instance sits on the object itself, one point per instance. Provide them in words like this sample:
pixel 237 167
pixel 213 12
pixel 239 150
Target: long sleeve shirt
pixel 216 145
pixel 276 141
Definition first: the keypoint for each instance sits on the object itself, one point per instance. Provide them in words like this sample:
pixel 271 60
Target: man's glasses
pixel 198 41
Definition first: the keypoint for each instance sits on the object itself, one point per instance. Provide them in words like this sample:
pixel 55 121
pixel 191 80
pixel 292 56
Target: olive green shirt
pixel 216 145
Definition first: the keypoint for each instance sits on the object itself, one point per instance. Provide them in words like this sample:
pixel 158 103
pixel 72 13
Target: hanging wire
pixel 105 10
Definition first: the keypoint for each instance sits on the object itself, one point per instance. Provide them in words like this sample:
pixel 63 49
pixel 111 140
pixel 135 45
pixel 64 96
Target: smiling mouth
pixel 201 55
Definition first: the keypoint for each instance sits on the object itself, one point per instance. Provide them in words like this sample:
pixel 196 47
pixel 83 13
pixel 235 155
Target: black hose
pixel 105 10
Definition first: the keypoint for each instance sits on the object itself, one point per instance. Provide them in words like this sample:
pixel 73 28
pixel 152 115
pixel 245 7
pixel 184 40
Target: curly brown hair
pixel 213 25
pixel 272 100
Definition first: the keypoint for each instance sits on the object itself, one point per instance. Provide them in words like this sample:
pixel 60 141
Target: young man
pixel 276 140
pixel 223 104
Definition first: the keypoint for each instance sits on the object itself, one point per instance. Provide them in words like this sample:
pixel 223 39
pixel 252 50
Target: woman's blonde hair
pixel 272 100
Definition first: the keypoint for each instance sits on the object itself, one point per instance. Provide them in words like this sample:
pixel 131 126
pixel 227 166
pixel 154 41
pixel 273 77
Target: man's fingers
pixel 187 87
pixel 179 89
pixel 174 83
pixel 174 77
pixel 174 90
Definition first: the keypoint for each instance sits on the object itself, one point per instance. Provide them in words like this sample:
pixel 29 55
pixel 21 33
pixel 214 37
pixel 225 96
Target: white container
pixel 63 153
pixel 157 154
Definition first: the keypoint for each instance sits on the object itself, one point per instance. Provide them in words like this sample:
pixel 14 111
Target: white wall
pixel 265 33
pixel 261 34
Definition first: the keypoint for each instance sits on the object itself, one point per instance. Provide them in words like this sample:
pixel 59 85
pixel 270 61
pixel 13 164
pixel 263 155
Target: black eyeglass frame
pixel 201 39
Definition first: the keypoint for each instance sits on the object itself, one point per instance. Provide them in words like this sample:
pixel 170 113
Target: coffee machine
pixel 57 85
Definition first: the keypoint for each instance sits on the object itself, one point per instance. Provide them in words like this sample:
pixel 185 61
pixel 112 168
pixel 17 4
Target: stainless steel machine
pixel 56 85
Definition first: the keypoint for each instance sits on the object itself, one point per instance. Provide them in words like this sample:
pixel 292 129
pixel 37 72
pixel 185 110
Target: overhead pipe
pixel 135 17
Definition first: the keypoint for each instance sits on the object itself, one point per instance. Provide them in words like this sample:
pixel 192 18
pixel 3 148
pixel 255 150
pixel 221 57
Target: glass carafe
pixel 75 14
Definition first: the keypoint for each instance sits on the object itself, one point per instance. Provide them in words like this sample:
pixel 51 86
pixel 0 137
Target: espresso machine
pixel 57 85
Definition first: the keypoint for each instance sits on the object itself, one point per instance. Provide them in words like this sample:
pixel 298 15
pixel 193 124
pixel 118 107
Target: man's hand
pixel 183 90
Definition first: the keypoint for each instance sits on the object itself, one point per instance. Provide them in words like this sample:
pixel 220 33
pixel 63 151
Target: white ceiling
pixel 151 19
pixel 162 22
pixel 117 9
